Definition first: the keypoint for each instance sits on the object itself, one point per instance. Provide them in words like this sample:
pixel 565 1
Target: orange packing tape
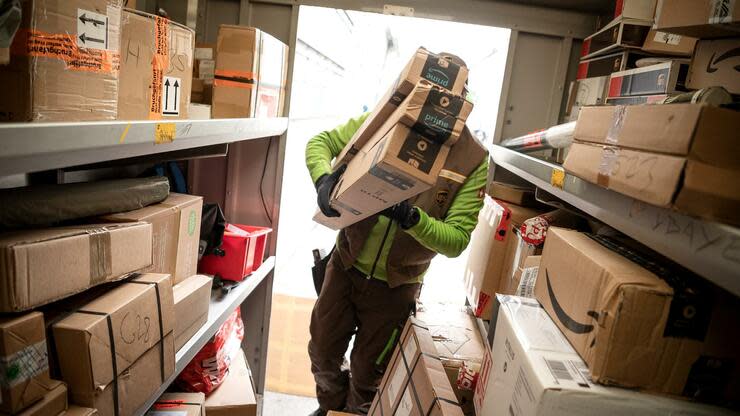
pixel 64 47
pixel 227 73
pixel 160 63
pixel 233 84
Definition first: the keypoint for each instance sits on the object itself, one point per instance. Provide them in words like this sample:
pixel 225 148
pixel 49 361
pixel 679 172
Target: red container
pixel 244 249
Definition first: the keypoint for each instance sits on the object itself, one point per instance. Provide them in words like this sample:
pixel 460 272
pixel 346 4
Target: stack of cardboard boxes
pixel 204 67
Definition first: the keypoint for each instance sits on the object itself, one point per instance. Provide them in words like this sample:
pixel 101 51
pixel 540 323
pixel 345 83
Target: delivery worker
pixel 374 275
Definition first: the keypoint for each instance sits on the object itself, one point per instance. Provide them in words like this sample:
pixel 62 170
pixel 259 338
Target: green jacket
pixel 449 237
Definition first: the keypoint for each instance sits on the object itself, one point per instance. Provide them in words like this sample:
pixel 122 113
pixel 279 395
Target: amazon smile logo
pixel 714 61
pixel 563 317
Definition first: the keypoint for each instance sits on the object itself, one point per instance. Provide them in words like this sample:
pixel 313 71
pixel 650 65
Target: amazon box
pixel 179 404
pixel 533 370
pixel 492 250
pixel 64 62
pixel 631 327
pixel 698 18
pixel 424 65
pixel 117 350
pixel 73 410
pixel 54 402
pixel 79 256
pixel 156 67
pixel 235 396
pixel 415 381
pixel 715 64
pixel 192 298
pixel 24 360
pixel 175 233
pixel 668 43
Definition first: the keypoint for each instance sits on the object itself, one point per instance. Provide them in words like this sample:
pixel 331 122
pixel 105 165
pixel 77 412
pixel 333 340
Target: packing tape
pixel 612 136
pixel 100 255
pixel 247 85
pixel 23 365
pixel 453 176
pixel 64 47
pixel 609 157
pixel 503 225
pixel 160 63
pixel 158 295
pixel 230 73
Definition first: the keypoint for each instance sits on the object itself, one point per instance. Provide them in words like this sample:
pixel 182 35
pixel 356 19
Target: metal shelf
pixel 220 309
pixel 32 147
pixel 710 249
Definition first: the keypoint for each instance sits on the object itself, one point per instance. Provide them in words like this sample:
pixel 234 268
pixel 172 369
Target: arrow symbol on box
pixel 167 94
pixel 84 38
pixel 84 19
pixel 177 85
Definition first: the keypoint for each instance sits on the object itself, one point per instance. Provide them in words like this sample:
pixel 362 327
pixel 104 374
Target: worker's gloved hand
pixel 405 214
pixel 324 187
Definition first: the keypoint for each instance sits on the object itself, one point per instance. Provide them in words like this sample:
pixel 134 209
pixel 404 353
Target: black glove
pixel 405 214
pixel 324 187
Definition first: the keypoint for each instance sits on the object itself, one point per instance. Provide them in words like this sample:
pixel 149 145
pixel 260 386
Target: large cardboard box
pixel 64 62
pixel 401 165
pixel 235 396
pixel 175 233
pixel 201 92
pixel 116 351
pixel 54 402
pixel 25 361
pixel 415 381
pixel 664 78
pixel 459 345
pixel 492 247
pixel 156 67
pixel 631 327
pixel 424 65
pixel 698 18
pixel 712 65
pixel 518 195
pixel 179 404
pixel 273 72
pixel 192 298
pixel 42 265
pixel 73 410
pixel 668 43
pixel 533 370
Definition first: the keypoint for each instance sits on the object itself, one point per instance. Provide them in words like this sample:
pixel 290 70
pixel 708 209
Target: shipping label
pixel 667 38
pixel 23 365
pixel 526 284
pixel 92 30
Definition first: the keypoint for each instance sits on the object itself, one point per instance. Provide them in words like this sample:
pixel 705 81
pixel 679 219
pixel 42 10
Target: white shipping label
pixel 526 284
pixel 92 30
pixel 721 11
pixel 667 38
pixel 23 365
pixel 171 90
pixel 406 405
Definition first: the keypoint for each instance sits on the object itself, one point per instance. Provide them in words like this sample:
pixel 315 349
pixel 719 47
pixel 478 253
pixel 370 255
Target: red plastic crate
pixel 243 248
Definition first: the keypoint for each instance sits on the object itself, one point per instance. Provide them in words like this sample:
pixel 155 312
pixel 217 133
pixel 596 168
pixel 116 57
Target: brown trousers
pixel 350 303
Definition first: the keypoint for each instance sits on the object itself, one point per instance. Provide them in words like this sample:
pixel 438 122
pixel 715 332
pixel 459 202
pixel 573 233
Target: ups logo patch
pixel 441 197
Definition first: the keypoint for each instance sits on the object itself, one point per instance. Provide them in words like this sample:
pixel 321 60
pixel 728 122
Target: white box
pixel 533 370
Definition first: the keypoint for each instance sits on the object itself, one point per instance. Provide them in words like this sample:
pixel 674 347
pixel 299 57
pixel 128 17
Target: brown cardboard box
pixel 118 349
pixel 155 76
pixel 73 410
pixel 43 265
pixel 175 233
pixel 635 9
pixel 273 72
pixel 24 359
pixel 415 381
pixel 628 326
pixel 180 404
pixel 510 193
pixel 492 247
pixel 192 298
pixel 204 69
pixel 204 51
pixel 235 396
pixel 382 176
pixel 63 66
pixel 525 277
pixel 459 345
pixel 698 18
pixel 712 65
pixel 237 65
pixel 201 91
pixel 423 65
pixel 54 402
pixel 668 43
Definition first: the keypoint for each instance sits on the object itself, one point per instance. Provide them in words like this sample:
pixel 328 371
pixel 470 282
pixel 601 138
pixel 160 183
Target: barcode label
pixel 582 370
pixel 526 284
pixel 721 11
pixel 559 370
pixel 667 38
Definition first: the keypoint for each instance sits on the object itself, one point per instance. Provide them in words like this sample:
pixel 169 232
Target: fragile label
pixel 171 90
pixel 667 38
pixel 23 365
pixel 721 11
pixel 164 133
pixel 92 29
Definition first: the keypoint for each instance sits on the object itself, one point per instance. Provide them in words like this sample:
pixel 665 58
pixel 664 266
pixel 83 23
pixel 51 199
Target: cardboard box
pixel 698 18
pixel 79 256
pixel 383 175
pixel 54 402
pixel 459 345
pixel 175 233
pixel 423 65
pixel 637 99
pixel 155 74
pixel 533 370
pixel 118 349
pixel 64 65
pixel 630 326
pixel 204 52
pixel 192 299
pixel 517 195
pixel 415 382
pixel 712 65
pixel 666 43
pixel 663 78
pixel 199 111
pixel 635 9
pixel 73 410
pixel 179 404
pixel 492 247
pixel 204 69
pixel 604 65
pixel 587 91
pixel 235 396
pixel 273 73
pixel 620 33
pixel 25 362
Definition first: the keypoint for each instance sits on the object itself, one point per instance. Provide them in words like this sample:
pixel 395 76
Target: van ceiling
pixel 586 6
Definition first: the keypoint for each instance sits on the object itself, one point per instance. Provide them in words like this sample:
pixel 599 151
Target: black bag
pixel 319 268
pixel 212 226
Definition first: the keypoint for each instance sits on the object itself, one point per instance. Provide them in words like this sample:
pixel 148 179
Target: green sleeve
pixel 327 145
pixel 451 236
